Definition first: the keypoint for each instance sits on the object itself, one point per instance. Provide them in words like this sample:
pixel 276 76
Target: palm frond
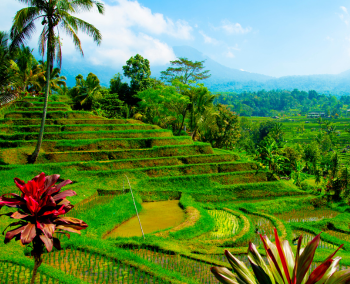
pixel 85 27
pixel 43 40
pixel 26 15
pixel 20 36
pixel 70 31
pixel 87 5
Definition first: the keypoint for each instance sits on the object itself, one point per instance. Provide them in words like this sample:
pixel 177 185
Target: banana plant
pixel 283 267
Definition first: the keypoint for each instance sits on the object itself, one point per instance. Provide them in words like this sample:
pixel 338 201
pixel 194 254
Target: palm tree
pixel 85 90
pixel 6 72
pixel 200 108
pixel 26 69
pixel 53 13
pixel 56 80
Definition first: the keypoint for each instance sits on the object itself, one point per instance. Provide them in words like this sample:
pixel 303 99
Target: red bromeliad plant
pixel 38 215
pixel 283 267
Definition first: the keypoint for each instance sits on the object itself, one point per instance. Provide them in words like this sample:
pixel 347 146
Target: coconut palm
pixel 85 91
pixel 201 108
pixel 54 14
pixel 6 72
pixel 56 80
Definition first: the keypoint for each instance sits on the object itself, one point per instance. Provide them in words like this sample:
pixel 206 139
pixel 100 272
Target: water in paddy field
pixel 307 215
pixel 154 216
pixel 307 237
pixel 263 226
pixel 95 268
pixel 191 268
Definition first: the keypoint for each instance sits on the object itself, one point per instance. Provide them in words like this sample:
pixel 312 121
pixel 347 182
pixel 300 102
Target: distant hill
pixel 224 78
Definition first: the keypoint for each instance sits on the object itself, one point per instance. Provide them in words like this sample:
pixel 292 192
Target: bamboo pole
pixel 133 199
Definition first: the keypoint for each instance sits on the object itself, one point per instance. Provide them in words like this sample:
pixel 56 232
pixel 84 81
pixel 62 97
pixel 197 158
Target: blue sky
pixel 275 38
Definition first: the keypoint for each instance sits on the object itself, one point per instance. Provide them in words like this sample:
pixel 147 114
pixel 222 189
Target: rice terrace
pixel 199 173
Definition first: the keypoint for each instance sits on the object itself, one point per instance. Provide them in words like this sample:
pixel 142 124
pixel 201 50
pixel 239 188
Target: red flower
pixel 39 208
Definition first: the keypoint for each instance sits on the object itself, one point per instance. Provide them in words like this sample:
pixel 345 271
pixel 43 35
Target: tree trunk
pixel 34 156
pixel 182 123
pixel 37 262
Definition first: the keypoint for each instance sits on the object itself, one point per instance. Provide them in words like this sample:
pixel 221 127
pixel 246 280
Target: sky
pixel 271 37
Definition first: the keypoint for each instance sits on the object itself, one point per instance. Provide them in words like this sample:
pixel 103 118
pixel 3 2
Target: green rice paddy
pixel 194 201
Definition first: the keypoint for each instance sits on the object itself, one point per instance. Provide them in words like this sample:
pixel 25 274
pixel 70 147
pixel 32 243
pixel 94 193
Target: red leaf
pixel 11 202
pixel 282 256
pixel 294 279
pixel 18 215
pixel 50 181
pixel 63 183
pixel 28 234
pixel 57 243
pixel 306 258
pixel 48 229
pixel 11 234
pixel 64 194
pixel 32 204
pixel 21 185
pixel 270 254
pixel 47 242
pixel 318 273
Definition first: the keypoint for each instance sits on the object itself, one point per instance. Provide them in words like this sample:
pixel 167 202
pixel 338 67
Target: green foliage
pixel 164 106
pixel 6 72
pixel 109 106
pixel 85 91
pixel 279 102
pixel 186 71
pixel 138 70
pixel 224 129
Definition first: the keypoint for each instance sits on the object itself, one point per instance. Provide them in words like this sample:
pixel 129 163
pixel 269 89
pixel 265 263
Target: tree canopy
pixel 185 71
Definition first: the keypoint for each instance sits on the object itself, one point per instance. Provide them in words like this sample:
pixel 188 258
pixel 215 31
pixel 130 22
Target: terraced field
pixel 222 196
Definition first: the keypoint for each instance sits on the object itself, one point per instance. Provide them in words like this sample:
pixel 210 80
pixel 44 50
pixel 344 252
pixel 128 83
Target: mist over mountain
pixel 223 78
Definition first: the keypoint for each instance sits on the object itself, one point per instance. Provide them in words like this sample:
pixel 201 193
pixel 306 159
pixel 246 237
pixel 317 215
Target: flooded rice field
pixel 154 216
pixel 188 267
pixel 262 226
pixel 307 215
pixel 94 268
pixel 307 237
pixel 339 235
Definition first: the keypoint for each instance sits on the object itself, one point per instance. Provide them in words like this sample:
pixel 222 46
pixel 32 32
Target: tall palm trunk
pixel 34 156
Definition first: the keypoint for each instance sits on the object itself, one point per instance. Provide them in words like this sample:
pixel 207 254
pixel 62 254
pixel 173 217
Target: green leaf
pixel 225 276
pixel 339 277
pixel 240 269
pixel 254 256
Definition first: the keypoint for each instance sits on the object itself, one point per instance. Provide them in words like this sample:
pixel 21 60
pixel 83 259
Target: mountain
pixel 224 78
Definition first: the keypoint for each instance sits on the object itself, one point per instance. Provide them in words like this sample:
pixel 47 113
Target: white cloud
pixel 208 39
pixel 344 9
pixel 234 28
pixel 229 54
pixel 230 51
pixel 344 18
pixel 127 28
pixel 329 38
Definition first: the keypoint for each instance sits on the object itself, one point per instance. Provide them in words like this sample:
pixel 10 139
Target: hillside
pixel 209 185
pixel 223 78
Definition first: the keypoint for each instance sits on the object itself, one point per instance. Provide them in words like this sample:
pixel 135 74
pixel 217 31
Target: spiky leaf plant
pixel 38 215
pixel 283 267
